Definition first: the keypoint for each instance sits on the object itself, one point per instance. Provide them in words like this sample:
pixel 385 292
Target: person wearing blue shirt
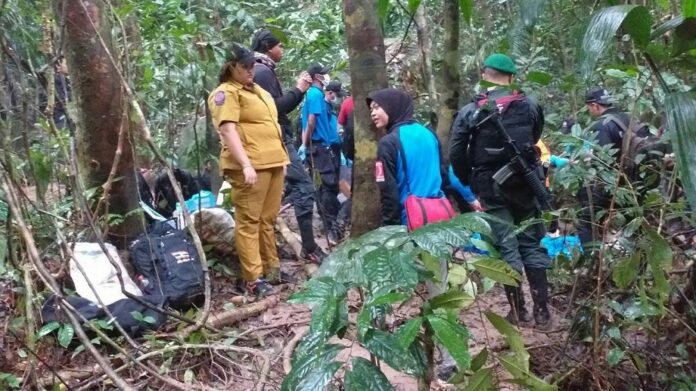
pixel 320 138
pixel 455 188
pixel 405 140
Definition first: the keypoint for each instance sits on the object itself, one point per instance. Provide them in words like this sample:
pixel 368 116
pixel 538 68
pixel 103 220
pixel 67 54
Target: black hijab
pixel 397 104
pixel 263 41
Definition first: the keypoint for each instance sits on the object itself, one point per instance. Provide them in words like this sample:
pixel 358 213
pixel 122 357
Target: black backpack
pixel 169 264
pixel 642 144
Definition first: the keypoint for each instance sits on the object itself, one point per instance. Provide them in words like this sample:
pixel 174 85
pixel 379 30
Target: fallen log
pixel 236 315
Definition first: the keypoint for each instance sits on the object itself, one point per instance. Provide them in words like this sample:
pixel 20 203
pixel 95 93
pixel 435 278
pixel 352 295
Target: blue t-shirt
pixel 422 161
pixel 326 128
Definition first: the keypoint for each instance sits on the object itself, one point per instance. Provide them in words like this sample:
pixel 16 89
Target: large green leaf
pixel 466 7
pixel 482 380
pixel 660 261
pixel 382 9
pixel 666 27
pixel 681 117
pixel 387 348
pixel 451 299
pixel 344 264
pixel 512 336
pixel 454 337
pixel 47 329
pixel 480 360
pixel 603 27
pixel 523 375
pixel 473 222
pixel 369 310
pixel 408 332
pixel 301 368
pixel 413 6
pixel 684 38
pixel 689 8
pixel 365 377
pixel 65 335
pixel 498 271
pixel 319 377
pixel 626 270
pixel 317 291
pixel 390 269
pixel 439 239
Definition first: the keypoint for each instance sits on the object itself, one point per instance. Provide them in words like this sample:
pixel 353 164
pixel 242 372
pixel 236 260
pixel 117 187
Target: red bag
pixel 421 211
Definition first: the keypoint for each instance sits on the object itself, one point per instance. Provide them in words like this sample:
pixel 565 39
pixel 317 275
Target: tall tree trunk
pixel 368 72
pixel 449 99
pixel 102 106
pixel 425 47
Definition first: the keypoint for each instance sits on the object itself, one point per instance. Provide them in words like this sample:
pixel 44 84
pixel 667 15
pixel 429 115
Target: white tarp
pixel 100 272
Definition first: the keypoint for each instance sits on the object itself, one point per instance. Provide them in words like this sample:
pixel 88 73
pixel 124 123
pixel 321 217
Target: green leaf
pixel 10 379
pixel 681 115
pixel 457 275
pixel 390 269
pixel 316 291
pixel 498 271
pixel 603 27
pixel 453 337
pixel 684 38
pixel 408 332
pixel 660 261
pixel 513 337
pixel 625 271
pixel 666 27
pixel 482 380
pixel 47 329
pixel 387 348
pixel 614 356
pixel 474 223
pixel 466 7
pixel 388 298
pixel 511 363
pixel 65 335
pixel 365 377
pixel 413 6
pixel 480 360
pixel 318 378
pixel 451 299
pixel 314 358
pixel 689 8
pixel 539 77
pixel 137 315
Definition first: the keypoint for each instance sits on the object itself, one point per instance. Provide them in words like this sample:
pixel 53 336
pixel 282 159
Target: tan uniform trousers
pixel 256 209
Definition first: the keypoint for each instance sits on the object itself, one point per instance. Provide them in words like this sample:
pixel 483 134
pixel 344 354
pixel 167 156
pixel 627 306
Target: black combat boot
pixel 539 286
pixel 518 312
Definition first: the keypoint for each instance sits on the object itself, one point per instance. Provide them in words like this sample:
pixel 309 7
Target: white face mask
pixel 324 79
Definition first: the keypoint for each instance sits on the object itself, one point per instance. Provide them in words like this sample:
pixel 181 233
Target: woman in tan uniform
pixel 253 159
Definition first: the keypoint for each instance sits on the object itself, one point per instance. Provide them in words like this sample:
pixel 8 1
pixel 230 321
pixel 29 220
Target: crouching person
pixel 253 159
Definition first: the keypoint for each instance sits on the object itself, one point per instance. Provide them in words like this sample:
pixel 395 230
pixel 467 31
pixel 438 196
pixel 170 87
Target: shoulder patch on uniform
pixel 219 98
pixel 379 171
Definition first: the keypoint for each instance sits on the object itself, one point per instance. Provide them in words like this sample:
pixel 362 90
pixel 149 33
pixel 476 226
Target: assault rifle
pixel 519 161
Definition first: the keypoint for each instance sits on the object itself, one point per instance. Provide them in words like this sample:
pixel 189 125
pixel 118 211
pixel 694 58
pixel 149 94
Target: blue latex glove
pixel 343 160
pixel 558 162
pixel 302 152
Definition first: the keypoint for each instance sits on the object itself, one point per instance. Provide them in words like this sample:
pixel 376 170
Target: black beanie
pixel 264 40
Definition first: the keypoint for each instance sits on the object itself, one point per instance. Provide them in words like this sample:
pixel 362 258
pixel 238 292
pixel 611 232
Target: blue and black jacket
pixel 406 143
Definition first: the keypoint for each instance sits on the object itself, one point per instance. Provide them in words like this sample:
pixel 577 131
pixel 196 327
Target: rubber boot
pixel 306 228
pixel 539 287
pixel 518 312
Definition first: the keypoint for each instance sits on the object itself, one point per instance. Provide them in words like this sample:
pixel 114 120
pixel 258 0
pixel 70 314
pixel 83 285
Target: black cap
pixel 598 95
pixel 241 55
pixel 336 87
pixel 317 69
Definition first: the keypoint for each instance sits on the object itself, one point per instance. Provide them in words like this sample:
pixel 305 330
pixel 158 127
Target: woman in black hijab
pixel 408 156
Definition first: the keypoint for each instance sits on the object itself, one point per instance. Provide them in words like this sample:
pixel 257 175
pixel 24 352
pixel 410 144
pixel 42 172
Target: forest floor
pixel 272 333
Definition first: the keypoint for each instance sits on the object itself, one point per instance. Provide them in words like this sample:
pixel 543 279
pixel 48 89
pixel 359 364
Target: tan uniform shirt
pixel 253 111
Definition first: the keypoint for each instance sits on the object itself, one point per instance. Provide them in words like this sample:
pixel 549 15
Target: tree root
pixel 289 236
pixel 236 315
pixel 290 348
